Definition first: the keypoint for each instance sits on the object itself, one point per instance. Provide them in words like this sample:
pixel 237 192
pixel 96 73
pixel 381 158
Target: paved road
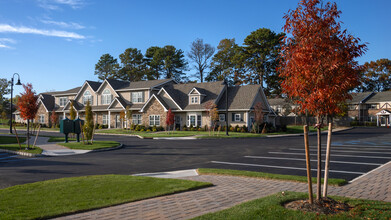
pixel 140 156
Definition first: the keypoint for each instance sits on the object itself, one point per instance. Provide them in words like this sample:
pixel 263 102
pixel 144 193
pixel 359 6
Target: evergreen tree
pixel 72 112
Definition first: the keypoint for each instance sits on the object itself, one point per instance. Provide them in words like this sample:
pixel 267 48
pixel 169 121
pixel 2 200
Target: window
pixel 136 119
pixel 221 117
pixel 105 119
pixel 154 120
pixel 194 100
pixel 372 106
pixel 137 97
pixel 63 101
pixel 41 119
pixel 87 97
pixel 238 117
pixel 106 97
pixel 194 120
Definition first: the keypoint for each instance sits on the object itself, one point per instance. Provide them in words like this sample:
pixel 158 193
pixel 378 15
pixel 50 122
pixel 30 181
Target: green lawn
pixel 270 207
pixel 11 140
pixel 96 145
pixel 15 147
pixel 60 139
pixel 69 195
pixel 332 181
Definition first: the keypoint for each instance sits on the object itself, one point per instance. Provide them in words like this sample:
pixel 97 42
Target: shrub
pixel 232 128
pixel 177 129
pixel 137 128
pixel 148 130
pixel 200 129
pixel 154 129
pixel 237 129
pixel 132 126
pixel 160 128
pixel 142 129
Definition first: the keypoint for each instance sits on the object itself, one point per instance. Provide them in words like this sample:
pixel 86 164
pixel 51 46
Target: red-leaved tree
pixel 318 64
pixel 28 106
pixel 169 119
pixel 54 118
pixel 258 116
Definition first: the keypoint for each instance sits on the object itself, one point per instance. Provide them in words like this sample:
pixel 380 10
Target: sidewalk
pixel 53 149
pixel 229 191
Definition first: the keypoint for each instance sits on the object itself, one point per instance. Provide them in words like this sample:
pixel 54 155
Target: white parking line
pixel 281 167
pixel 351 181
pixel 355 148
pixel 334 155
pixel 359 146
pixel 331 161
pixel 347 151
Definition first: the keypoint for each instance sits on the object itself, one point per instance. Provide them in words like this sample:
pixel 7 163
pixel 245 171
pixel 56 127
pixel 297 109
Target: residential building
pixel 150 100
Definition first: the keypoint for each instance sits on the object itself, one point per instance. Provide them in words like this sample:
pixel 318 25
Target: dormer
pixel 195 97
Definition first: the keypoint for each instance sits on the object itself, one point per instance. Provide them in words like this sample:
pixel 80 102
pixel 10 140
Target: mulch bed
pixel 324 206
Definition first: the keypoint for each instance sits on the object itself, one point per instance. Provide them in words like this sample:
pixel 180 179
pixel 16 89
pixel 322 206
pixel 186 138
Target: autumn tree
pixel 258 116
pixel 54 118
pixel 88 127
pixel 72 111
pixel 376 76
pixel 318 64
pixel 107 67
pixel 200 53
pixel 28 107
pixel 122 116
pixel 169 119
pixel 212 113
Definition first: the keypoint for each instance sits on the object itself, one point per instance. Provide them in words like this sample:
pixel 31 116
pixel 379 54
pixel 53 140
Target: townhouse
pixel 150 100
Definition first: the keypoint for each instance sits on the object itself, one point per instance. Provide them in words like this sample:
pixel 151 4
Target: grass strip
pixel 57 197
pixel 270 207
pixel 95 146
pixel 15 147
pixel 60 139
pixel 11 140
pixel 332 181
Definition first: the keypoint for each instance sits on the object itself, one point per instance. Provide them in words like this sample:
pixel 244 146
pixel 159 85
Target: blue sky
pixel 55 44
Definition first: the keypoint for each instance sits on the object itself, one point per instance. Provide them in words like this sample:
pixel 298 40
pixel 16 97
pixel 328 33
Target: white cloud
pixel 72 25
pixel 5 41
pixel 55 4
pixel 5 28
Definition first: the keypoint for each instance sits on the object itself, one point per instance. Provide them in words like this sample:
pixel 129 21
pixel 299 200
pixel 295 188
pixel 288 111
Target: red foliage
pixel 170 118
pixel 317 65
pixel 54 118
pixel 27 103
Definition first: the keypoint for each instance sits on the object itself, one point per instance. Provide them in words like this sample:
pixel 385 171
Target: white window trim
pixel 194 99
pixel 139 98
pixel 107 98
pixel 154 120
pixel 105 119
pixel 41 119
pixel 221 118
pixel 87 97
pixel 136 117
pixel 196 120
pixel 240 117
pixel 63 101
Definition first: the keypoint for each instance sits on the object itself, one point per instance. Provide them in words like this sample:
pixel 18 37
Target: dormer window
pixel 107 98
pixel 87 97
pixel 194 100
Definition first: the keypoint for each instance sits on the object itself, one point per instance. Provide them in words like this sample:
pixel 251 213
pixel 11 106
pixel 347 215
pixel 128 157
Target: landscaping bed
pixel 331 181
pixel 11 140
pixel 58 197
pixel 272 207
pixel 16 147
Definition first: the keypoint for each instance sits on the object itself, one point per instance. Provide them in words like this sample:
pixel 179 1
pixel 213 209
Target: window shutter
pixel 101 99
pixel 233 116
pixel 142 96
pixel 242 117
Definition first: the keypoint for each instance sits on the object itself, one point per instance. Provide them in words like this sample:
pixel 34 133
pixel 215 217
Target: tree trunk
pixel 28 134
pixel 308 163
pixel 326 170
pixel 319 171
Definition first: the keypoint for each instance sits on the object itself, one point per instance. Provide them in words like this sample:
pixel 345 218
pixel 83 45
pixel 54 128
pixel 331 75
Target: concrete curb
pixel 21 153
pixel 107 149
pixel 171 174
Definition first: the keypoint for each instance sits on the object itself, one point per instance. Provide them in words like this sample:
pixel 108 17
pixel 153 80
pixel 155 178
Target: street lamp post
pixel 12 88
pixel 226 107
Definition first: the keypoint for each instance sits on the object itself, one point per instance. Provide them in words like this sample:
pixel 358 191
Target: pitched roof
pixel 380 97
pixel 179 92
pixel 277 101
pixel 69 91
pixel 94 85
pixel 48 101
pixel 239 97
pixel 360 97
pixel 122 85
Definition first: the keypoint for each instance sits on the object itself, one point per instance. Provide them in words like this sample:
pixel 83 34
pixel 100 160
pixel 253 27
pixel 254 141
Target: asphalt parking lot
pixel 354 153
pixel 349 159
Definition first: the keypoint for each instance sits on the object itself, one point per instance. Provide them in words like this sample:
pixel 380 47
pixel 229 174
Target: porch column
pixel 247 120
pixel 389 120
pixel 64 114
pixel 109 120
pixel 377 120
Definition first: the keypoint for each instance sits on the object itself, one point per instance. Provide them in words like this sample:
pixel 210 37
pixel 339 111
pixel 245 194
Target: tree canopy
pixel 200 53
pixel 376 76
pixel 107 67
pixel 133 66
